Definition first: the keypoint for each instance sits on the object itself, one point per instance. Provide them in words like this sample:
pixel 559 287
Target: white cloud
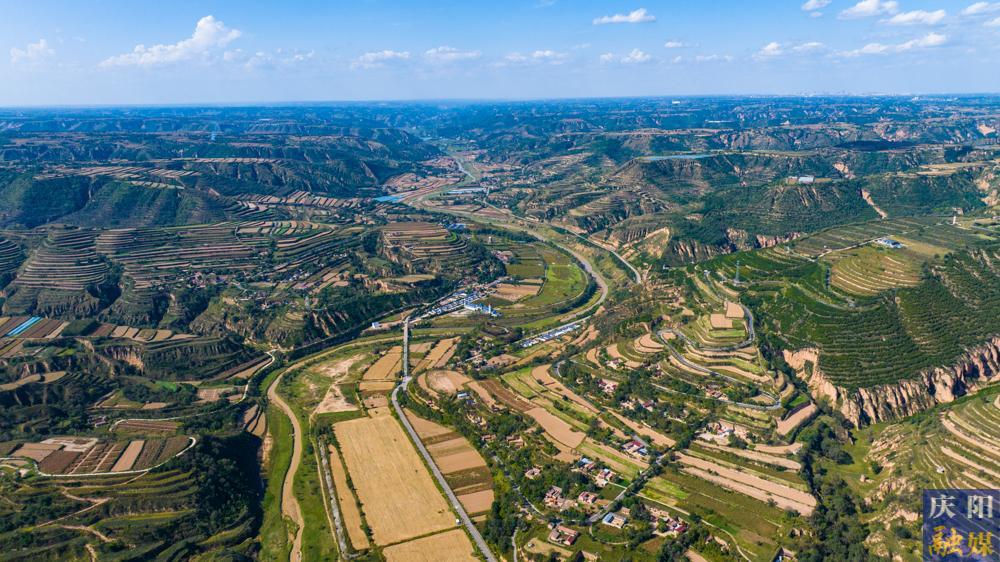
pixel 635 57
pixel 209 34
pixel 579 46
pixel 548 55
pixel 927 41
pixel 635 16
pixel 34 53
pixel 674 44
pixel 539 56
pixel 713 58
pixel 378 59
pixel 981 8
pixel 808 47
pixel 772 49
pixel 811 5
pixel 869 8
pixel 977 8
pixel 917 17
pixel 993 23
pixel 775 49
pixel 445 54
pixel 869 49
pixel 267 59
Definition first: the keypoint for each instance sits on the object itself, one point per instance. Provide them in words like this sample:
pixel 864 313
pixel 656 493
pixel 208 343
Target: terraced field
pixel 564 417
pixel 868 271
pixel 424 243
pixel 54 278
pixel 952 447
pixel 866 340
pixel 154 514
pixel 843 237
pixel 751 523
pixel 11 256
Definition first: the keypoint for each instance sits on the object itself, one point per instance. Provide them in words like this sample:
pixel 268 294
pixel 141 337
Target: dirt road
pixel 290 505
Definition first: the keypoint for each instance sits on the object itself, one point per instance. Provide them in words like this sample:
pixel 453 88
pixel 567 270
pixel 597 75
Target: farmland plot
pixel 398 497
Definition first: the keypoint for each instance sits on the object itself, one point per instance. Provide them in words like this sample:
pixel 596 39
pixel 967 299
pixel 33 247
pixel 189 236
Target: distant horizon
pixel 118 53
pixel 375 101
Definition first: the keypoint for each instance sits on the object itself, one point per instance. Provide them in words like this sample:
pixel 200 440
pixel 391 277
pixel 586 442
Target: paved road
pixel 636 276
pixel 473 531
pixel 751 336
pixel 290 505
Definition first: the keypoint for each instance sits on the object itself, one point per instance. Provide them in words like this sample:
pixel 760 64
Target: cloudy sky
pixel 139 52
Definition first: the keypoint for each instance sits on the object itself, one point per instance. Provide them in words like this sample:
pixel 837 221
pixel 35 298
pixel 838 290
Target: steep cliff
pixel 976 369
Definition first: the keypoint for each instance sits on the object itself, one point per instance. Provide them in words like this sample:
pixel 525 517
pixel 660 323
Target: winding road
pixel 751 337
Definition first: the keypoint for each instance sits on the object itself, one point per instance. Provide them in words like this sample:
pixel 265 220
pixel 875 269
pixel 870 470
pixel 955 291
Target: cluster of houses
pixel 554 499
pixel 601 477
pixel 504 256
pixel 715 394
pixel 617 519
pixel 671 524
pixel 632 405
pixel 636 448
pixel 563 535
pixel 481 308
pixel 607 386
pixel 515 441
pixel 719 432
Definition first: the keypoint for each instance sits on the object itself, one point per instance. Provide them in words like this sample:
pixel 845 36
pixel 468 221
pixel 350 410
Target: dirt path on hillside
pixel 871 203
pixel 290 505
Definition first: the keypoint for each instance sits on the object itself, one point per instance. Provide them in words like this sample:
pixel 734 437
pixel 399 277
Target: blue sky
pixel 136 52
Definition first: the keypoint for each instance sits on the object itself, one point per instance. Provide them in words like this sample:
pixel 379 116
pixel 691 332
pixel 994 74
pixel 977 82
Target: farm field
pixel 135 509
pixel 348 503
pixel 463 467
pixel 753 524
pixel 79 456
pixel 868 271
pixel 450 546
pixel 380 457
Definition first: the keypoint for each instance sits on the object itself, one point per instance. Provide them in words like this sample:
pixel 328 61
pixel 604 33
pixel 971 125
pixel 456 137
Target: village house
pixel 563 535
pixel 636 448
pixel 532 473
pixel 605 477
pixel 670 524
pixel 616 520
pixel 607 386
pixel 587 498
pixel 553 498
